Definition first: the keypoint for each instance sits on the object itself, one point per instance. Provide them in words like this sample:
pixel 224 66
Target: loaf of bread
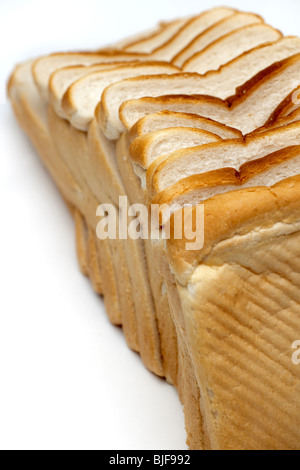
pixel 198 116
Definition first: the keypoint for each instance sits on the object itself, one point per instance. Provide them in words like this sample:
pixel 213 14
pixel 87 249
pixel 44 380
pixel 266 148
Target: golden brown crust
pixel 234 214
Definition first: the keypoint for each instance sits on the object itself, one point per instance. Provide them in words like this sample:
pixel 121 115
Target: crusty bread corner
pixel 260 212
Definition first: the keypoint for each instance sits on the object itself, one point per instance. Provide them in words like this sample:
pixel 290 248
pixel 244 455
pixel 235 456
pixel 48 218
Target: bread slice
pixel 230 46
pixel 214 33
pixel 196 189
pixel 280 78
pixel 161 35
pixel 234 154
pixel 81 98
pixel 222 347
pixel 146 149
pixel 166 119
pixel 44 67
pixel 290 104
pixel 256 316
pixel 223 83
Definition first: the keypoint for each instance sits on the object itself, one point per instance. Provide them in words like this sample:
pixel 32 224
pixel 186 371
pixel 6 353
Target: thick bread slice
pixel 62 79
pixel 242 111
pixel 165 32
pixel 188 32
pixel 145 149
pixel 252 245
pixel 101 171
pixel 266 171
pixel 43 68
pixel 241 69
pixel 234 154
pixel 82 97
pixel 231 46
pixel 166 119
pixel 231 215
pixel 215 32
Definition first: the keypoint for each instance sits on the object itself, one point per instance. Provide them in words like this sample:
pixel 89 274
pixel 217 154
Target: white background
pixel 67 378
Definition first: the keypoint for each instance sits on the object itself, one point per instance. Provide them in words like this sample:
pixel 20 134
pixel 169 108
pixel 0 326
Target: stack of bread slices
pixel 202 111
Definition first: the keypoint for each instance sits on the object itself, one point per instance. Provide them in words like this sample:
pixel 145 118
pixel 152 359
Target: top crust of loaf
pixel 264 212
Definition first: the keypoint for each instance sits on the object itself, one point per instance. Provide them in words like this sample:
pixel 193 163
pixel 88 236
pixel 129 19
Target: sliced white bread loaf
pixel 44 67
